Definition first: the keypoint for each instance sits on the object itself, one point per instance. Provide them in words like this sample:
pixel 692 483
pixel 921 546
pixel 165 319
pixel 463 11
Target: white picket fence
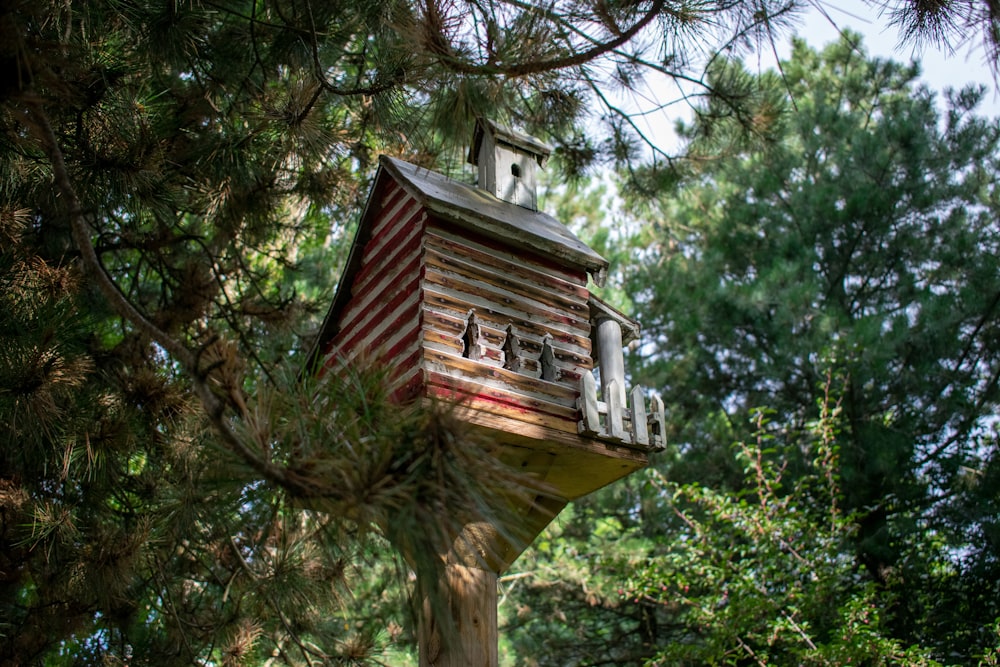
pixel 633 425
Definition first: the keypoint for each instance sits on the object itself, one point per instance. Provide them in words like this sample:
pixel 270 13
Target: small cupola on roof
pixel 508 161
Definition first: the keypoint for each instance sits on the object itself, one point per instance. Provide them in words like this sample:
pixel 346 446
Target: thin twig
pixel 439 45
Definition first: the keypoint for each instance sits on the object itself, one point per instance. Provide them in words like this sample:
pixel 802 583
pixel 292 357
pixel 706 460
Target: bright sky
pixel 940 70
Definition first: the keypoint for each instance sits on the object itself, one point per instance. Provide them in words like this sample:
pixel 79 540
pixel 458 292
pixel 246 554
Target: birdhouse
pixel 470 294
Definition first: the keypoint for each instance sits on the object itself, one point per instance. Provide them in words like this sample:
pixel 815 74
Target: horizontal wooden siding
pixel 535 299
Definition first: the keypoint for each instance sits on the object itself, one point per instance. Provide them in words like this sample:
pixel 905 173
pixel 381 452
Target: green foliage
pixel 761 575
pixel 859 235
pixel 838 265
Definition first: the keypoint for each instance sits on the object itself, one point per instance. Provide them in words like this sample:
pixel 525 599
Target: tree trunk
pixel 472 640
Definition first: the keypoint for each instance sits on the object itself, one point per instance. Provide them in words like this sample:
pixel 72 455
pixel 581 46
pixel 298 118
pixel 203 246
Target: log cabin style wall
pixel 510 333
pixel 379 318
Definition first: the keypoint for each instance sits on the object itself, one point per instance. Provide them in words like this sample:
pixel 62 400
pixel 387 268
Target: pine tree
pixel 177 181
pixel 858 238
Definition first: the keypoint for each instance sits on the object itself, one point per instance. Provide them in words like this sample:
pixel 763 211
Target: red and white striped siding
pixel 381 321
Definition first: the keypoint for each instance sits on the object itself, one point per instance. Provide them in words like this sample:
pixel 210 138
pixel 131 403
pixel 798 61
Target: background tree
pixel 860 239
pixel 838 267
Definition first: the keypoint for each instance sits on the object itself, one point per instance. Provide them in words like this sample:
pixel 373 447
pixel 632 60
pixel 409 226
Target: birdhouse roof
pixel 599 308
pixel 472 208
pixel 468 207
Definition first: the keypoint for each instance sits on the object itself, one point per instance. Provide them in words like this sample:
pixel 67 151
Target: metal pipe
pixel 610 356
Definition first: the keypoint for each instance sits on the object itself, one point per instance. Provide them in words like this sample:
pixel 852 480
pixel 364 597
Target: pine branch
pixel 81 236
pixel 214 407
pixel 437 43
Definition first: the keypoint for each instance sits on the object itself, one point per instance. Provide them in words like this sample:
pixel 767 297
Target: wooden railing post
pixel 645 428
pixel 589 410
pixel 637 404
pixel 613 395
pixel 657 422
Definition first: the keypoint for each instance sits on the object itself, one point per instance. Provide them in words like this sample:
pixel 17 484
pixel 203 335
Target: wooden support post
pixel 467 634
pixel 471 594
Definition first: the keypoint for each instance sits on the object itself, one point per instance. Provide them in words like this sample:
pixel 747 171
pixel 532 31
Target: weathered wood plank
pixel 457 304
pixel 518 267
pixel 387 346
pixel 590 423
pixel 502 379
pixel 550 396
pixel 402 210
pixel 446 342
pixel 398 240
pixel 375 305
pixel 536 321
pixel 397 212
pixel 496 248
pixel 569 364
pixel 400 320
pixel 637 403
pixel 581 463
pixel 384 284
pixel 391 195
pixel 447 325
pixel 493 347
pixel 404 378
pixel 616 427
pixel 657 422
pixel 389 187
pixel 496 294
pixel 529 337
pixel 402 359
pixel 504 278
pixel 381 276
pixel 442 387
